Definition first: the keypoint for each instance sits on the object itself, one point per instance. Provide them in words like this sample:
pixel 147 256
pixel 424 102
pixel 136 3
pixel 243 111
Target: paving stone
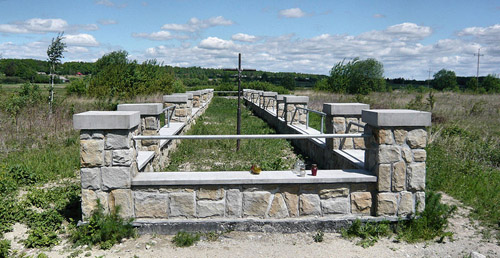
pixel 361 203
pixel 151 205
pixel 310 205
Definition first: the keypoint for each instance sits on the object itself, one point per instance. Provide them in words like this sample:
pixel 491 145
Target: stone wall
pixel 338 117
pixel 253 201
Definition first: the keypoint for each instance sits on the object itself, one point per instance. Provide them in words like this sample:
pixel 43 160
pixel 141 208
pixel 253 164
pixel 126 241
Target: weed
pixel 212 236
pixel 318 237
pixel 369 233
pixel 102 229
pixel 4 248
pixel 185 239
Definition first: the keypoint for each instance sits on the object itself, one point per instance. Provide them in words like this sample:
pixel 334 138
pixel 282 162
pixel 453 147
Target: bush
pixel 77 87
pixel 102 229
pixel 369 233
pixel 184 239
pixel 4 248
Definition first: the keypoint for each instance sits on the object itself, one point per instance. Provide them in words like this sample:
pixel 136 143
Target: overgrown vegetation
pixel 185 239
pixel 102 229
pixel 220 155
pixel 428 225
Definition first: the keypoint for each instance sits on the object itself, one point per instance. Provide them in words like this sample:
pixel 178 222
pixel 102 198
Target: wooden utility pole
pixel 477 73
pixel 238 119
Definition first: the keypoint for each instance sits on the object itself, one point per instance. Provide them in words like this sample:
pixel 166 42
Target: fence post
pixel 108 159
pixel 338 116
pixel 395 153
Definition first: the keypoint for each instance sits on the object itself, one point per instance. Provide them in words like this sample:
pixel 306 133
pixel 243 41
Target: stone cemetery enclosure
pixel 377 171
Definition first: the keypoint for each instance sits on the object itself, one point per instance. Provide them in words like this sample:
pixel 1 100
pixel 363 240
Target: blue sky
pixel 408 37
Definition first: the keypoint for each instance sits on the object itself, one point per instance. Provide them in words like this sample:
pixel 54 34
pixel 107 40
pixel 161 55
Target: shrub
pixel 369 233
pixel 4 248
pixel 184 239
pixel 318 237
pixel 77 87
pixel 102 229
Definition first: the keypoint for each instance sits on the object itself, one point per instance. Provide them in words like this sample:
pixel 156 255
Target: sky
pixel 412 39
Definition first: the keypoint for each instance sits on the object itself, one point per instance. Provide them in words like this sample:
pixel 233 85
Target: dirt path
pixel 467 239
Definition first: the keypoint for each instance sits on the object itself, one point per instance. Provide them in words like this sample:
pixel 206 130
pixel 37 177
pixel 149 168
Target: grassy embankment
pixel 464 150
pixel 217 155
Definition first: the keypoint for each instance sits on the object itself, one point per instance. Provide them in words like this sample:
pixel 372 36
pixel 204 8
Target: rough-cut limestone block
pixel 339 125
pixel 388 154
pixel 180 112
pixel 151 205
pixel 333 191
pixel 255 203
pixel 108 158
pixel 117 139
pixel 407 154
pixel 363 187
pixel 359 143
pixel 207 209
pixel 233 203
pixel 361 203
pixel 417 138
pixel 291 197
pixel 416 176
pixel 310 204
pixel 399 176
pixel 149 142
pixel 354 128
pixel 336 206
pixel 384 177
pixel 89 202
pixel 387 204
pixel 151 123
pixel 348 144
pixel 400 136
pixel 91 153
pixel 405 204
pixel 91 178
pixel 182 205
pixel 104 200
pixel 115 177
pixel 210 193
pixel 278 207
pixel 384 136
pixel 122 198
pixel 419 155
pixel 176 189
pixel 122 157
pixel 420 201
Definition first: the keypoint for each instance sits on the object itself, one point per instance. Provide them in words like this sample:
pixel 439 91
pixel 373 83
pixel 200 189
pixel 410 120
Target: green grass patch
pixel 185 239
pixel 217 155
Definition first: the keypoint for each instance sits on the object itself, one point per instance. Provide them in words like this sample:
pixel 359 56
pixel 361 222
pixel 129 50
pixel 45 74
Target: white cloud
pixel 292 13
pixel 83 39
pixel 107 21
pixel 244 37
pixel 216 43
pixel 379 15
pixel 109 3
pixel 159 36
pixel 195 24
pixel 42 26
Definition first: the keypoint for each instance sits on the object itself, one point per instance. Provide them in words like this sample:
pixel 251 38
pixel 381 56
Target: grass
pixel 185 239
pixel 217 155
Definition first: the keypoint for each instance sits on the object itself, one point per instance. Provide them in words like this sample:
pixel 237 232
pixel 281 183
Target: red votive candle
pixel 314 169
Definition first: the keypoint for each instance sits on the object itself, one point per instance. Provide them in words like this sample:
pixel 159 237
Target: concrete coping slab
pixel 245 177
pixel 269 94
pixel 190 95
pixel 144 108
pixel 281 97
pixel 175 98
pixel 396 117
pixel 101 120
pixel 204 92
pixel 210 90
pixel 290 99
pixel 195 92
pixel 344 108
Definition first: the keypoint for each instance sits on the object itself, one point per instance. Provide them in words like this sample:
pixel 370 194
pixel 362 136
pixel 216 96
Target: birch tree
pixel 55 54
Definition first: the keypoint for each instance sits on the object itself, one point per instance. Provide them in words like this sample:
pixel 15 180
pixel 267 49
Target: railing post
pixel 338 116
pixel 150 125
pixel 108 159
pixel 395 153
pixel 182 109
pixel 291 104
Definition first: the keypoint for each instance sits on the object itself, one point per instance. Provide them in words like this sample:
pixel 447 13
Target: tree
pixel 472 84
pixel 445 79
pixel 55 53
pixel 288 82
pixel 491 83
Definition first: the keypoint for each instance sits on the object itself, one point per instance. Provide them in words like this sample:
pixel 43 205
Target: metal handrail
pixel 247 136
pixel 342 142
pixel 169 114
pixel 307 116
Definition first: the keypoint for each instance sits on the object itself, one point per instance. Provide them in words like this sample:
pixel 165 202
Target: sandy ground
pixel 467 239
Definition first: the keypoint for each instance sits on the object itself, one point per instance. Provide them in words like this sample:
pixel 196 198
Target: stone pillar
pixel 338 117
pixel 204 96
pixel 190 99
pixel 108 159
pixel 269 99
pixel 291 104
pixel 182 109
pixel 395 154
pixel 150 125
pixel 196 98
pixel 280 105
pixel 210 94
